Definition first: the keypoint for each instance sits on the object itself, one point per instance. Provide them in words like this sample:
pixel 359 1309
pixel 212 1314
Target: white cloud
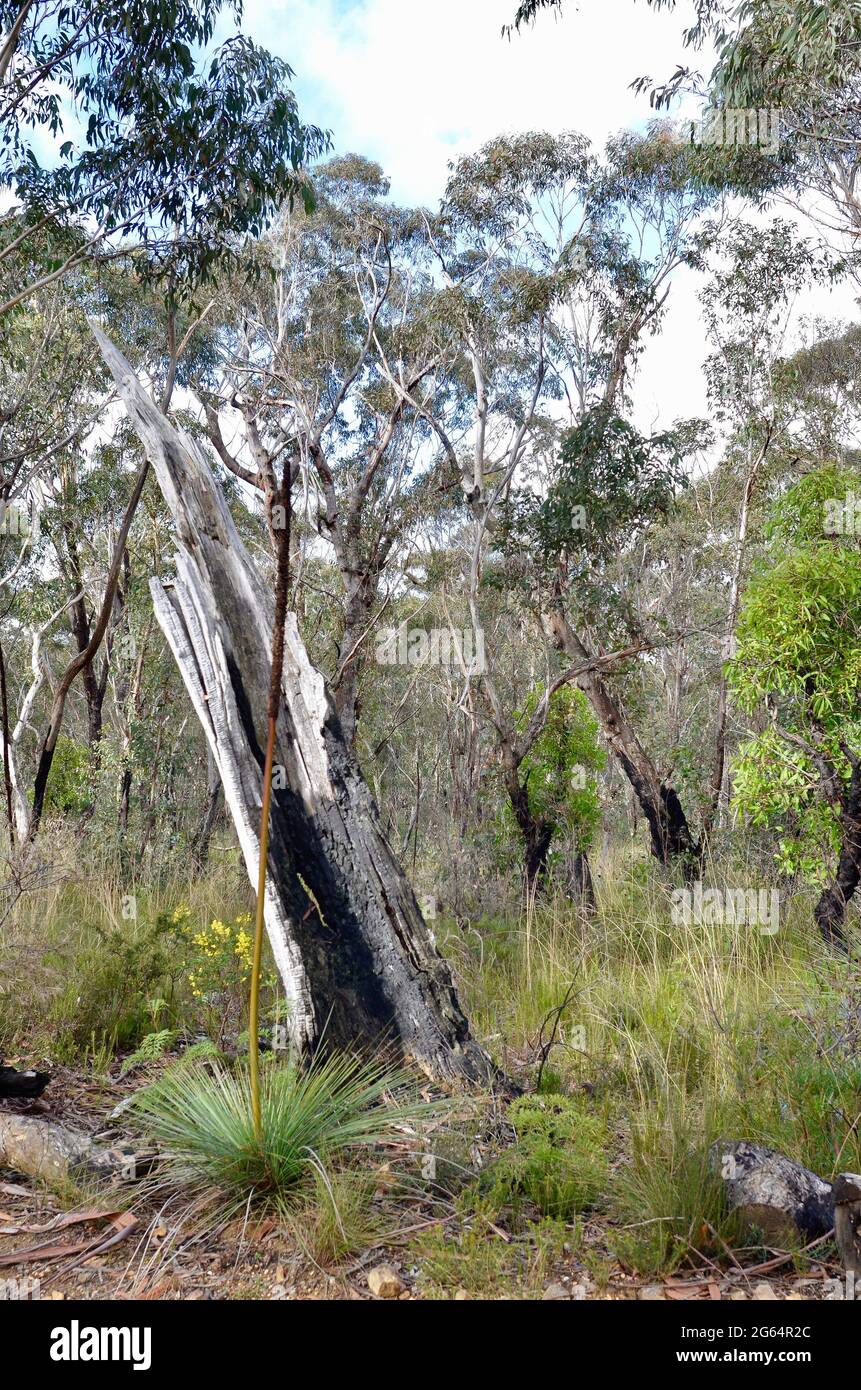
pixel 414 84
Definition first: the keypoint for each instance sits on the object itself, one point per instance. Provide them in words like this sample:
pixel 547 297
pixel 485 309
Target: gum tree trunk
pixel 830 910
pixel 355 955
pixel 670 835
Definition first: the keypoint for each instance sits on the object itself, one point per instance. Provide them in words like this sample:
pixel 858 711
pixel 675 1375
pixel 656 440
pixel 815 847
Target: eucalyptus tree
pixel 748 306
pixel 796 671
pixel 50 402
pixel 126 122
pixel 557 266
pixel 334 360
pixel 355 956
pixel 187 148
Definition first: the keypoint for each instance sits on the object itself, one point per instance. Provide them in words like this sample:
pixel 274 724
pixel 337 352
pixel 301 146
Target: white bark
pixel 200 659
pixel 355 955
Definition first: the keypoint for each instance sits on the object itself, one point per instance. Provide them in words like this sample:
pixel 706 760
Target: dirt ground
pixel 88 1246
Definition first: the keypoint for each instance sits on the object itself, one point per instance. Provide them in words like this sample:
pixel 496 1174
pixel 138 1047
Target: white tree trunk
pixel 357 960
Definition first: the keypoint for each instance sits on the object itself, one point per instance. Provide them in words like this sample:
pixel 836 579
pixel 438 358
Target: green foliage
pixel 559 772
pixel 108 988
pixel 798 656
pixel 798 636
pixel 558 1163
pixel 314 1119
pixel 800 516
pixel 204 1050
pixel 152 1048
pixel 68 787
pixel 184 146
pixel 611 481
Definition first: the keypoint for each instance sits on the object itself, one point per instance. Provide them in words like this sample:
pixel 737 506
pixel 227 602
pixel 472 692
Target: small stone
pixel 652 1293
pixel 738 1296
pixel 385 1282
pixel 765 1291
pixel 554 1291
pixel 795 1298
pixel 462 1296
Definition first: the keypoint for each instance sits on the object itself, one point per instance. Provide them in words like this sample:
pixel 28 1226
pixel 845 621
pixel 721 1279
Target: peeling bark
pixel 355 955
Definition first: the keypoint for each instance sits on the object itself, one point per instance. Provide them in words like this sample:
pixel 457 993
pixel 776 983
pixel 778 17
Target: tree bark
pixel 773 1192
pixel 580 886
pixel 830 911
pixel 355 955
pixel 847 1221
pixel 200 844
pixel 728 646
pixel 669 832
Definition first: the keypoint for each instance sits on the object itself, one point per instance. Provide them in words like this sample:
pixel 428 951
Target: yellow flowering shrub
pixel 219 958
pixel 216 965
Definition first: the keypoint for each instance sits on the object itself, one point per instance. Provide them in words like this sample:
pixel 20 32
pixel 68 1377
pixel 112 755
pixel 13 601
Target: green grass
pixel 314 1120
pixel 672 1036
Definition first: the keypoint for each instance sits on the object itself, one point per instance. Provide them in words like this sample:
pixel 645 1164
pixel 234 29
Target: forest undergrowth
pixel 637 1041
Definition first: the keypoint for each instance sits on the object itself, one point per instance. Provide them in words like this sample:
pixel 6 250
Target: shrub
pixel 558 1163
pixel 152 1047
pixel 108 990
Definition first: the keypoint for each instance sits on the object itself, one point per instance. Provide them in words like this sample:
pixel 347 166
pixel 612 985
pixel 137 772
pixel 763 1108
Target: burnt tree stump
pixel 847 1220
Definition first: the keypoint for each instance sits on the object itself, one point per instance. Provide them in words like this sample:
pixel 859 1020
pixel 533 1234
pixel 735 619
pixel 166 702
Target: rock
pixel 462 1296
pixel 773 1193
pixel 738 1296
pixel 652 1293
pixel 555 1291
pixel 765 1292
pixel 57 1155
pixel 385 1282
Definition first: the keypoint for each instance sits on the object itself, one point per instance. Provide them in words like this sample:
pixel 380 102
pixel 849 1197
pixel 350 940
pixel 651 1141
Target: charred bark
pixel 355 955
pixel 201 842
pixel 830 910
pixel 579 886
pixel 771 1192
pixel 537 834
pixel 670 835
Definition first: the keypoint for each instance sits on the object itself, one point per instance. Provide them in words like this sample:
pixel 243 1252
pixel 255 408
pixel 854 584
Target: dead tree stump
pixel 847 1220
pixel 773 1193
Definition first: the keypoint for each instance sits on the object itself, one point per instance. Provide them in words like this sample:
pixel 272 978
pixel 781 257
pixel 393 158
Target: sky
pixel 414 85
